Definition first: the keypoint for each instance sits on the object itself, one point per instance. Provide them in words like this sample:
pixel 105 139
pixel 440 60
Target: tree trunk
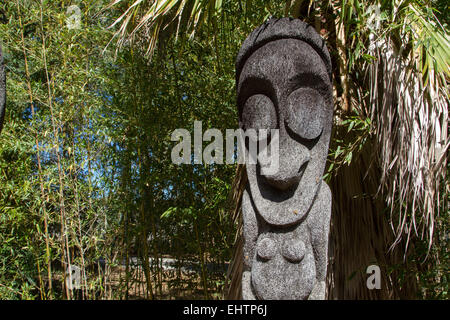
pixel 360 235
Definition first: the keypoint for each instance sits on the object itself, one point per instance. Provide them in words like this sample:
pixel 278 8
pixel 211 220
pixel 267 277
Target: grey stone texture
pixel 283 73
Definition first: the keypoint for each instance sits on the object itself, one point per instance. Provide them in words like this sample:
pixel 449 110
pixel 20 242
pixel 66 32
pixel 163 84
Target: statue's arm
pixel 251 235
pixel 319 225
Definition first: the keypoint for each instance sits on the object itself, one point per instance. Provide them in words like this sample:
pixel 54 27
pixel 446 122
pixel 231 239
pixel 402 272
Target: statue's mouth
pixel 279 189
pixel 282 207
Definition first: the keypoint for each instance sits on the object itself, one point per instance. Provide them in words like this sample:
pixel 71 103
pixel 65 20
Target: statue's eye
pixel 259 113
pixel 306 113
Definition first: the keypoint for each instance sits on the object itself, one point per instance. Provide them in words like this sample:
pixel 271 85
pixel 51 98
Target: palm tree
pixel 391 67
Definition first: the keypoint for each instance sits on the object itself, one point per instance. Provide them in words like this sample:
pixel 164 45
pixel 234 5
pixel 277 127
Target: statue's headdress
pixel 283 28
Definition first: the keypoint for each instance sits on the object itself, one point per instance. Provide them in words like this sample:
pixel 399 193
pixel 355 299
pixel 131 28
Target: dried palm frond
pixel 409 105
pixel 236 267
pixel 150 18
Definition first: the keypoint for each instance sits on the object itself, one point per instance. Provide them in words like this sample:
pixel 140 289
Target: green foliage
pixel 85 167
pixel 350 136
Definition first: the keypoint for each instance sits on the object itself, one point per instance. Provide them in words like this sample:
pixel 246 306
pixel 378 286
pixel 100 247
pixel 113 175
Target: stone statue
pixel 283 76
pixel 2 89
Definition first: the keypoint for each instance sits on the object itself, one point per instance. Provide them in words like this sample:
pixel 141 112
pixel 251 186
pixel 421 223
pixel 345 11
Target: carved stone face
pixel 285 85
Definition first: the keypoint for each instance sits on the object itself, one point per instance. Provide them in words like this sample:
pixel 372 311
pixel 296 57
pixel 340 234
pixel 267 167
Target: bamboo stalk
pixel 202 261
pixel 64 240
pixel 77 204
pixel 38 157
pixel 341 48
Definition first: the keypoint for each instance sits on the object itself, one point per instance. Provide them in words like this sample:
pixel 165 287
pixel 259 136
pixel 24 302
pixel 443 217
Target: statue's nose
pixel 293 160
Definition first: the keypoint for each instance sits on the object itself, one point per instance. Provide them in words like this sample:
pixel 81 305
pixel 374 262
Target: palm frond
pixel 409 104
pixel 151 17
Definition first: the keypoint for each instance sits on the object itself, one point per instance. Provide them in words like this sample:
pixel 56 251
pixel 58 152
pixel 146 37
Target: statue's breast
pixel 283 266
